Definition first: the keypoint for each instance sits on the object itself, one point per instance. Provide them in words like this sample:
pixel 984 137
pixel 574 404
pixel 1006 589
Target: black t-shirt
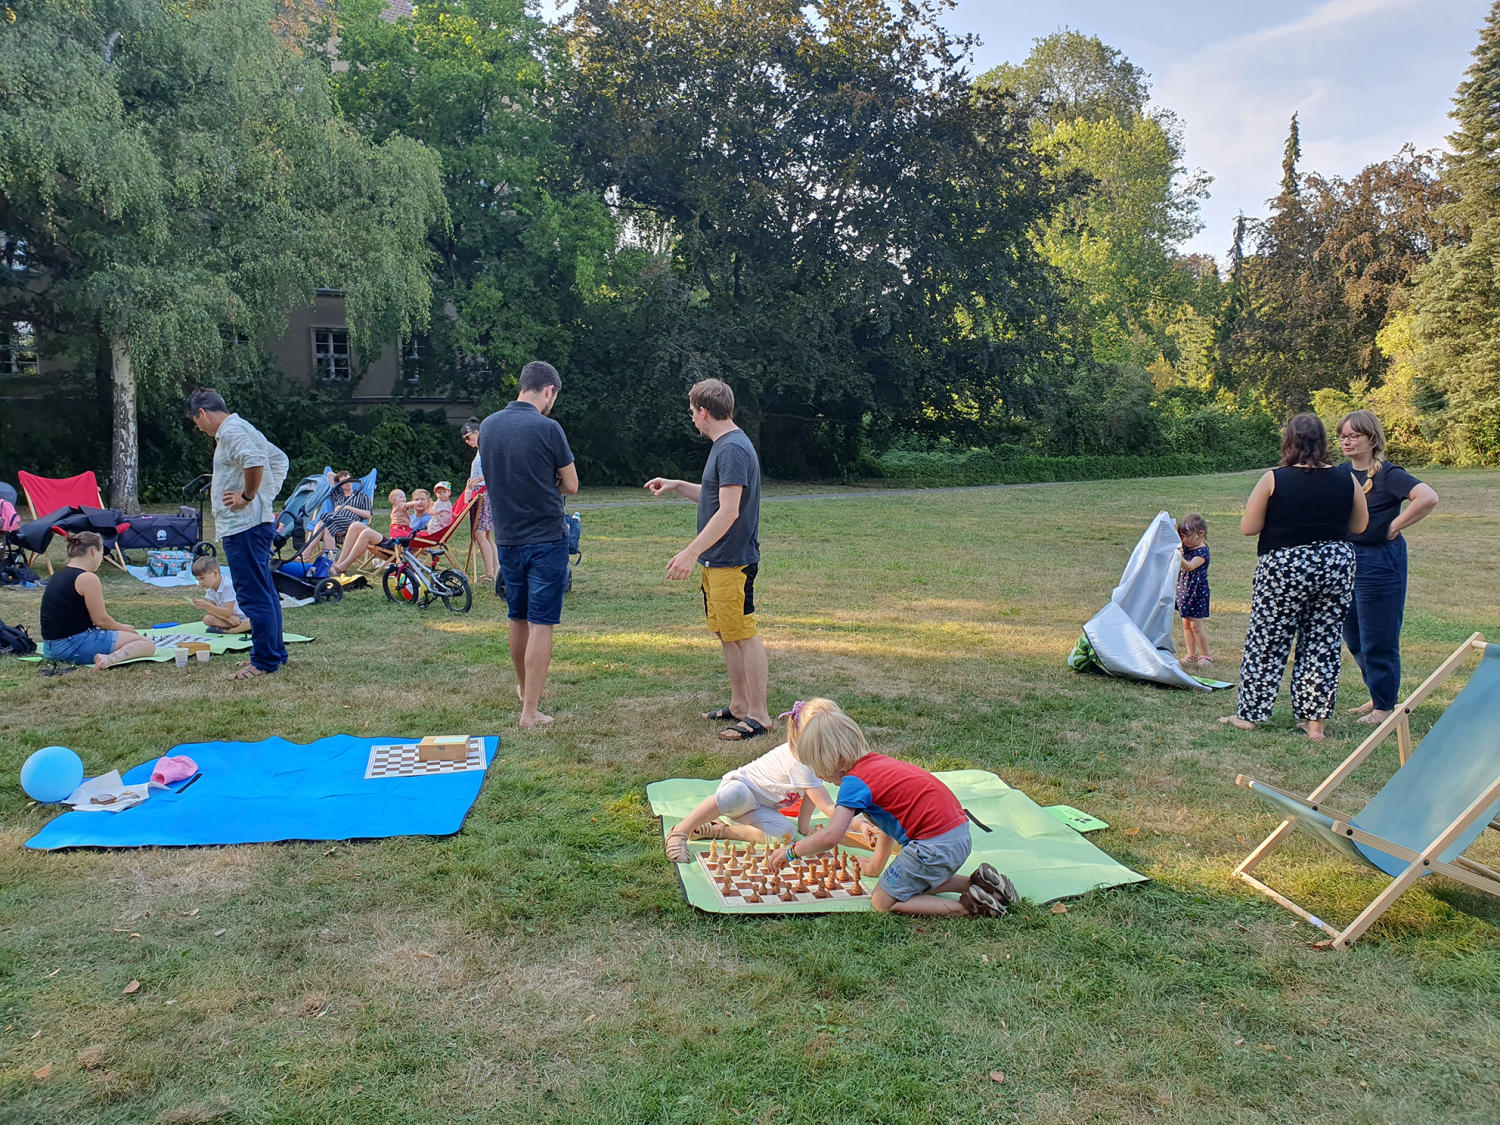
pixel 64 612
pixel 732 461
pixel 521 451
pixel 1391 485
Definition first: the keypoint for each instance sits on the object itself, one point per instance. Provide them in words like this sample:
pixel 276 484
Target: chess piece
pixel 713 850
pixel 727 886
pixel 819 891
pixel 751 896
pixel 829 885
pixel 801 887
pixel 787 896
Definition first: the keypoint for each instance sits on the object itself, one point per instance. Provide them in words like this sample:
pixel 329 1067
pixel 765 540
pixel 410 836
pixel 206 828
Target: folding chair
pixel 467 506
pixel 46 494
pixel 1445 793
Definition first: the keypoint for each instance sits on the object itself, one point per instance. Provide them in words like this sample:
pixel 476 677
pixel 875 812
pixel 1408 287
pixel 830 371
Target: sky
pixel 1365 76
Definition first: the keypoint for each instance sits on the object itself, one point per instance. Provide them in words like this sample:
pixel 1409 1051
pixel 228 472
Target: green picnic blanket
pixel 1046 859
pixel 166 639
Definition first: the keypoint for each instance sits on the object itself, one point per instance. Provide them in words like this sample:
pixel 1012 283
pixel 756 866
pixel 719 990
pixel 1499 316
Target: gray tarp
pixel 1131 637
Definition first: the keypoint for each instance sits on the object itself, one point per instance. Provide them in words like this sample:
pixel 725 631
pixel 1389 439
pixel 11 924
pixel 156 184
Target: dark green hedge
pixel 984 466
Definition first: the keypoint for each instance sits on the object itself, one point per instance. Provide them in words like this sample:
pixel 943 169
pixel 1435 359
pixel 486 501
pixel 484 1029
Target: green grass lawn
pixel 541 966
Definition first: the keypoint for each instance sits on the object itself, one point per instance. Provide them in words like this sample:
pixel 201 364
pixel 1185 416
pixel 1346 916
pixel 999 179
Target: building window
pixel 17 348
pixel 331 354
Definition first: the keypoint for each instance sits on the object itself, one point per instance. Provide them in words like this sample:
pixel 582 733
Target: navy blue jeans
pixel 1373 628
pixel 249 557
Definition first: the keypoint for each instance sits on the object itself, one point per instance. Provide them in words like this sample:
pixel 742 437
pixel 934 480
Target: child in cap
pixel 221 614
pixel 440 515
pixel 905 802
pixel 751 797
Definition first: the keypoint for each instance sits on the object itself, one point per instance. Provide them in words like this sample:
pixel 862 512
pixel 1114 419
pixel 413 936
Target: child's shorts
pixel 738 802
pixel 925 864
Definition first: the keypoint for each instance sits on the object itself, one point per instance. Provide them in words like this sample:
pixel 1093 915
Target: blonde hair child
pixel 906 803
pixel 221 612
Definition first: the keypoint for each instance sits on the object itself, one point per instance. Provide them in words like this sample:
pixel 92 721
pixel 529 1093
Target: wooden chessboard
pixel 743 883
pixel 401 760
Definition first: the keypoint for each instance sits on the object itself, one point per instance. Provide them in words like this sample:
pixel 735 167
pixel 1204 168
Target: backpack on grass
pixel 15 640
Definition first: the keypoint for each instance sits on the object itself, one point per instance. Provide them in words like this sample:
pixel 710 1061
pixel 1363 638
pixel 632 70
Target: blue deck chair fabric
pixel 1457 760
pixel 1449 783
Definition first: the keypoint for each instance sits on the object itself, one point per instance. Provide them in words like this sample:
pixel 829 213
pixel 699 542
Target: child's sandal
pixel 713 830
pixel 677 847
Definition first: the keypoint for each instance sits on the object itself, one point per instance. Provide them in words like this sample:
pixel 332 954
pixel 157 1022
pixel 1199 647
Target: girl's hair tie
pixel 794 714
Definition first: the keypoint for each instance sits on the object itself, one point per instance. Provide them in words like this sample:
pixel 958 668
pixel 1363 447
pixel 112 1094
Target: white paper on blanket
pixel 294 603
pixel 1132 635
pixel 108 793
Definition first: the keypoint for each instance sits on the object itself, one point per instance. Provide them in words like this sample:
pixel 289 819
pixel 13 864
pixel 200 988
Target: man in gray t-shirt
pixel 728 546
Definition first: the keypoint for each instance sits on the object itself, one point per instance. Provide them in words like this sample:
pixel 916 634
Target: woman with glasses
pixel 1372 630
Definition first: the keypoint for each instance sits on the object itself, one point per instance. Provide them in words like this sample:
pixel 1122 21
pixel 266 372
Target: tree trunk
pixel 124 485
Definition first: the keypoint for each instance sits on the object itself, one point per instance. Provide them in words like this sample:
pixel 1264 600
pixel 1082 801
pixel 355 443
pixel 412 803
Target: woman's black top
pixel 64 613
pixel 1391 486
pixel 1308 506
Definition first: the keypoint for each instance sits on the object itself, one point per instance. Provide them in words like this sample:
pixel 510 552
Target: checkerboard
pixel 400 760
pixel 744 883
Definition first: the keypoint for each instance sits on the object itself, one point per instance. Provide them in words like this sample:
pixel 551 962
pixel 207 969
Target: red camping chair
pixel 47 494
pixel 467 506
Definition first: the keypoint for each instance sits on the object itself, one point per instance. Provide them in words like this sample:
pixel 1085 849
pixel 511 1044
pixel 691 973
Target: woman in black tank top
pixel 76 627
pixel 1303 512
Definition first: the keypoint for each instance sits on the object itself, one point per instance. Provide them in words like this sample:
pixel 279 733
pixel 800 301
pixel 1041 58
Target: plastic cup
pixel 203 655
pixel 181 655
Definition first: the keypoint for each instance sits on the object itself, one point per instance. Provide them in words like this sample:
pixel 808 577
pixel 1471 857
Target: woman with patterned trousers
pixel 1304 512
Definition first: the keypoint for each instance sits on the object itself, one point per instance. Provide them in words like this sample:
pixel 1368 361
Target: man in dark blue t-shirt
pixel 728 546
pixel 528 468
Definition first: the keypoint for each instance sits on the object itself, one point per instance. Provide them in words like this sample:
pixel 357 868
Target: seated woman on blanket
pixel 752 797
pixel 76 628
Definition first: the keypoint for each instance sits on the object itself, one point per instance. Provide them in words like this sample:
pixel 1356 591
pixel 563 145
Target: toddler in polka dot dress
pixel 1192 588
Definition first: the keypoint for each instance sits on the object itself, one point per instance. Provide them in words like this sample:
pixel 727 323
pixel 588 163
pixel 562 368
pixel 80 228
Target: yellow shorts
pixel 729 601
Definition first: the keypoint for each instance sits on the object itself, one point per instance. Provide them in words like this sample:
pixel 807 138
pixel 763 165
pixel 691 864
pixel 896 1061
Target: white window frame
pixel 333 371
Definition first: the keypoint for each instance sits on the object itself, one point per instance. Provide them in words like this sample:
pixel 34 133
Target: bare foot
pixel 1313 728
pixel 1237 722
pixel 537 720
pixel 1373 717
pixel 101 662
pixel 1364 708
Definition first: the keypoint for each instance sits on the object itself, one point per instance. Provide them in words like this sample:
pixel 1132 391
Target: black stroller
pixel 13 568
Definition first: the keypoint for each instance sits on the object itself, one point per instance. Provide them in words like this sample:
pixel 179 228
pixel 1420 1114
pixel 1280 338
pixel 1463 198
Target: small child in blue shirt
pixel 1192 587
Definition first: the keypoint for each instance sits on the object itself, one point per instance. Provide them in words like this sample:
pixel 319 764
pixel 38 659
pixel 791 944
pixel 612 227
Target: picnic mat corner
pixel 1045 858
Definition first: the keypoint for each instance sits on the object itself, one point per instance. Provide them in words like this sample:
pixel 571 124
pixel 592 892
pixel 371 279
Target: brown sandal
pixel 678 853
pixel 713 830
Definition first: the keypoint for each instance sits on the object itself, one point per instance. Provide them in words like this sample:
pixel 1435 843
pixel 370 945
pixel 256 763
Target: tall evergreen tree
pixel 1457 298
pixel 1290 155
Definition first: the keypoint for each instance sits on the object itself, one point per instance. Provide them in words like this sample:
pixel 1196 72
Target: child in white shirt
pixel 220 611
pixel 751 798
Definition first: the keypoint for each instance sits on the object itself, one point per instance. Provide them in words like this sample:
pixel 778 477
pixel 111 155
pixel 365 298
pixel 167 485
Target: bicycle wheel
pixel 455 591
pixel 400 585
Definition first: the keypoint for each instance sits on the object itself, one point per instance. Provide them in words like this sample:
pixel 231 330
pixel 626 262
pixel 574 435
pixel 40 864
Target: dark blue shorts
pixel 534 576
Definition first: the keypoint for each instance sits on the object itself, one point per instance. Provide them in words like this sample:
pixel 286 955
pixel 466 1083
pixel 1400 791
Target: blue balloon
pixel 51 774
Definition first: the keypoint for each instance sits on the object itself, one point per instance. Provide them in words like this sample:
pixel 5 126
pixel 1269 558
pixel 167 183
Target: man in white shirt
pixel 248 473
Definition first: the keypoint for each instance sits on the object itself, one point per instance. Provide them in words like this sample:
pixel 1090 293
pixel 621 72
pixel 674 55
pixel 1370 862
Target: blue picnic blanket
pixel 263 792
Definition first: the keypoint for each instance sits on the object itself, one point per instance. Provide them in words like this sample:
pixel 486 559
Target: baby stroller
pixel 184 531
pixel 298 522
pixel 13 568
pixel 301 512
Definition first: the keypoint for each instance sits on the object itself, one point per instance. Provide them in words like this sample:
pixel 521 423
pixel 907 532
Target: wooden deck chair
pixel 1445 793
pixel 467 507
pixel 47 494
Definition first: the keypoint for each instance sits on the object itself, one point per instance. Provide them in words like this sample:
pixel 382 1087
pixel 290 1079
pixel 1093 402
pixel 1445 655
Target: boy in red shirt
pixel 905 802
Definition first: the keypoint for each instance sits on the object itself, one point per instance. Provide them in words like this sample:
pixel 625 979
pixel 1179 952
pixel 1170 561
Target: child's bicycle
pixel 409 581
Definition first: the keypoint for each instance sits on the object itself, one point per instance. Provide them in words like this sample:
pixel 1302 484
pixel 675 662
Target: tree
pixel 475 82
pixel 175 174
pixel 1131 199
pixel 846 228
pixel 1457 297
